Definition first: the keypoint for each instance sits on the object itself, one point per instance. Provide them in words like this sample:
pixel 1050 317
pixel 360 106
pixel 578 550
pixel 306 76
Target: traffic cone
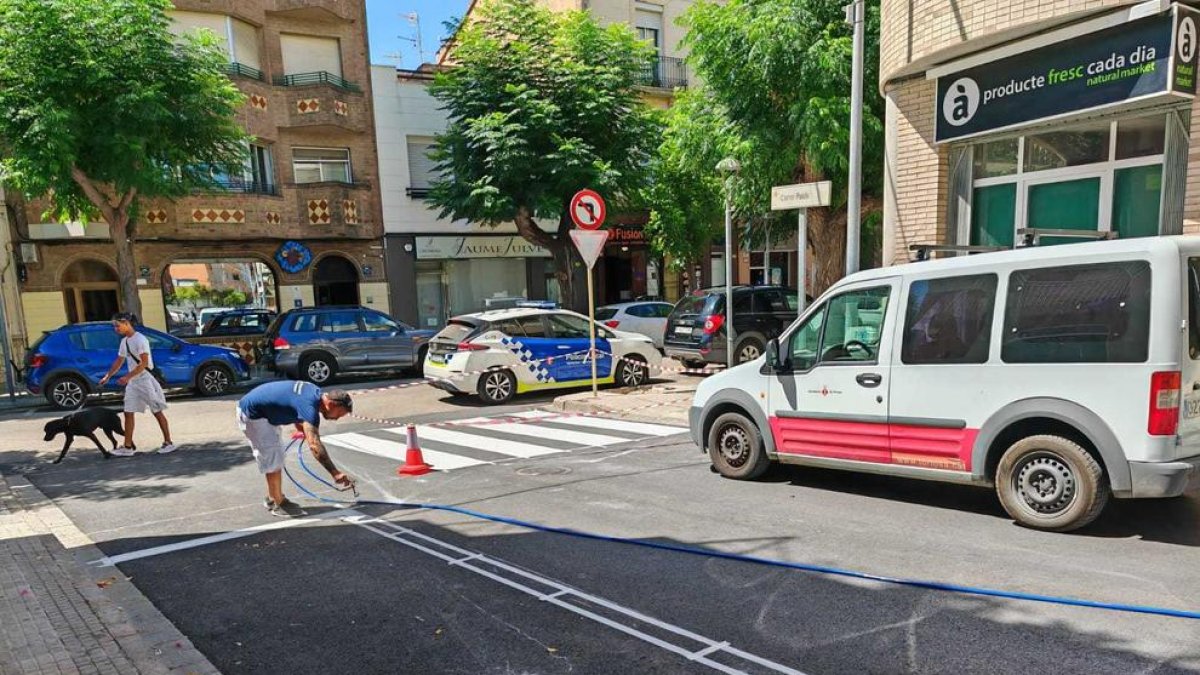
pixel 414 463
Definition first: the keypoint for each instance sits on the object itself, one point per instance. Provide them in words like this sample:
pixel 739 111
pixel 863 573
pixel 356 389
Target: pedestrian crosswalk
pixel 489 440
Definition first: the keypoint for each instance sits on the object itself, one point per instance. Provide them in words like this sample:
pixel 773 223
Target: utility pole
pixel 729 166
pixel 855 16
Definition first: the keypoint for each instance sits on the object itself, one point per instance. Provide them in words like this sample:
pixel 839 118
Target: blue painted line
pixel 771 562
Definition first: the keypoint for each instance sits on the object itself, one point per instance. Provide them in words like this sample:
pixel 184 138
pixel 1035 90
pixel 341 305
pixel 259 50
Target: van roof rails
pixel 924 251
pixel 1031 236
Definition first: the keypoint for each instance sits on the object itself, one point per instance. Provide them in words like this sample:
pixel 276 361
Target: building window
pixel 238 39
pixel 256 175
pixel 649 27
pixel 321 165
pixel 422 170
pixel 1093 177
pixel 307 54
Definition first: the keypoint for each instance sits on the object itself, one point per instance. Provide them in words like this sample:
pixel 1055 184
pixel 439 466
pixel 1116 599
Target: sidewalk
pixel 664 403
pixel 59 615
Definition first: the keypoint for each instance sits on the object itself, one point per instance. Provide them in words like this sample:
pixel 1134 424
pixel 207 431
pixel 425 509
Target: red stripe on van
pixel 928 447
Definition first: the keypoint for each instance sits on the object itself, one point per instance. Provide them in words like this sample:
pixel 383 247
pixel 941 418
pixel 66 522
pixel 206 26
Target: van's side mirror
pixel 772 360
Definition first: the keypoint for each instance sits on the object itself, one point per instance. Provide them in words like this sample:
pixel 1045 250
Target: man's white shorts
pixel 264 441
pixel 144 392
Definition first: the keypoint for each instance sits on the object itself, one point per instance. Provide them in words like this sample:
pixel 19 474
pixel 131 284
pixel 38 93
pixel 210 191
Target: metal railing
pixel 242 70
pixel 665 72
pixel 322 77
pixel 245 186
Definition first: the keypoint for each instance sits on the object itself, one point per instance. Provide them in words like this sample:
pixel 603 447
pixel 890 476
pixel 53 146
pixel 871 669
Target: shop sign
pixel 431 248
pixel 1148 58
pixel 626 236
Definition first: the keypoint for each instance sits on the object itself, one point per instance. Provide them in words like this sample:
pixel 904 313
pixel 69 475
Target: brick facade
pixel 330 218
pixel 916 36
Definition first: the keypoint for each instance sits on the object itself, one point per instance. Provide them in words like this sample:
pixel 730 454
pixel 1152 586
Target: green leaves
pixel 102 87
pixel 540 104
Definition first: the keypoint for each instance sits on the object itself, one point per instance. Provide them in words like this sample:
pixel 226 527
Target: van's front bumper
pixel 1164 479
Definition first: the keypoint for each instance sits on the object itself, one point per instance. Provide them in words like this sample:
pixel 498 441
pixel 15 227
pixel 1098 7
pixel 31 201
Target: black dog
pixel 85 423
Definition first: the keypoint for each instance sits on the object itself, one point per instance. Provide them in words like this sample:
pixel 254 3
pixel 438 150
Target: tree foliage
pixel 100 105
pixel 541 104
pixel 775 95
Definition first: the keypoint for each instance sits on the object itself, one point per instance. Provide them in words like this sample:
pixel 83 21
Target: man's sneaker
pixel 123 452
pixel 167 448
pixel 285 509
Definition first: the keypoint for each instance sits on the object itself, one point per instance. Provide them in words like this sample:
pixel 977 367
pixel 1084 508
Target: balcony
pixel 319 78
pixel 665 72
pixel 241 70
pixel 249 187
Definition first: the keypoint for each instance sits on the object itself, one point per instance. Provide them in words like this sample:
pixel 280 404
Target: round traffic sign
pixel 587 209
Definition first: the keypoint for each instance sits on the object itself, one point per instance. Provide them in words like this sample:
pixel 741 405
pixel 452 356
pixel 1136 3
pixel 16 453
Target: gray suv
pixel 317 343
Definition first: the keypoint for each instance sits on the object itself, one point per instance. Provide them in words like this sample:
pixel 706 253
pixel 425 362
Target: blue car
pixel 66 364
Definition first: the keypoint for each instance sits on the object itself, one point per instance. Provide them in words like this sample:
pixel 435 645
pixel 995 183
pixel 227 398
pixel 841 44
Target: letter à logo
pixel 961 101
pixel 1185 40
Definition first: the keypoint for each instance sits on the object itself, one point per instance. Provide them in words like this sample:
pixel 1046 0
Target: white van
pixel 1058 374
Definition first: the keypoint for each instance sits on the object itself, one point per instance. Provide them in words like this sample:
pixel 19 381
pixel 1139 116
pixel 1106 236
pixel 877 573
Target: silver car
pixel 317 343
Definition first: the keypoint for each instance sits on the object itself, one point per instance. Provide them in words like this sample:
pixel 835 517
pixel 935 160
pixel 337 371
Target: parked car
pixel 246 321
pixel 65 364
pixel 695 332
pixel 501 353
pixel 207 315
pixel 1059 375
pixel 317 343
pixel 644 318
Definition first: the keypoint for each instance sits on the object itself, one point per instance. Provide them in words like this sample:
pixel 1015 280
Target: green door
pixel 1068 205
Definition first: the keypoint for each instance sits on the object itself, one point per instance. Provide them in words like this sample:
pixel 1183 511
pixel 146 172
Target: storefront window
pixel 196 291
pixel 485 283
pixel 992 215
pixel 1136 197
pixel 998 158
pixel 1058 149
pixel 1141 137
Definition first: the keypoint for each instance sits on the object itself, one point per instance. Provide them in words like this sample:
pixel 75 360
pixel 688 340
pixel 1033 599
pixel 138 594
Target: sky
pixel 391 33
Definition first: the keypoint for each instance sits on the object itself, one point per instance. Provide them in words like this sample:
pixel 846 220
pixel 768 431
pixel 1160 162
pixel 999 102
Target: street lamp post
pixel 729 166
pixel 855 16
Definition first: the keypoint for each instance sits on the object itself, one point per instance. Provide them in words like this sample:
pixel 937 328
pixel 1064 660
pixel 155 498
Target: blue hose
pixel 771 562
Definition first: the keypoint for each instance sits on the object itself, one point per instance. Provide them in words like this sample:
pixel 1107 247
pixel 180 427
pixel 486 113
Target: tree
pixel 541 104
pixel 775 96
pixel 100 106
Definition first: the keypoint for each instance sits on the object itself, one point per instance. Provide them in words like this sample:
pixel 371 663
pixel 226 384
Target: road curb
pixel 145 637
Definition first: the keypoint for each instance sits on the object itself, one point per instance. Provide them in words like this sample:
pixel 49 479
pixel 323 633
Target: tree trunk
pixel 126 263
pixel 559 245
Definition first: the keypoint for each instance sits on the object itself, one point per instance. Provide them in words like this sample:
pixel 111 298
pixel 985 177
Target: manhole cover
pixel 543 471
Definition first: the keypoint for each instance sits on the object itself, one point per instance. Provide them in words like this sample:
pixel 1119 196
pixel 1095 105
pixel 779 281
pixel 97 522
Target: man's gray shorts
pixel 144 392
pixel 264 440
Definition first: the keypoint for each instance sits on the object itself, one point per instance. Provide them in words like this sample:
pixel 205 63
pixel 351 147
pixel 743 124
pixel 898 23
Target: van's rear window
pixel 1078 314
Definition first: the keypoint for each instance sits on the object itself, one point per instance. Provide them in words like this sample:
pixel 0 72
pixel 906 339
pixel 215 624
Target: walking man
pixel 142 390
pixel 267 407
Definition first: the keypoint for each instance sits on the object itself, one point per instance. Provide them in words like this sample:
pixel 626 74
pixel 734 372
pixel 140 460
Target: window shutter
pixel 421 170
pixel 304 54
pixel 189 22
pixel 245 44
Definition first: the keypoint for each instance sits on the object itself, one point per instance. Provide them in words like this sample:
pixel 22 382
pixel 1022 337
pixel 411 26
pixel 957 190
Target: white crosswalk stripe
pixel 488 440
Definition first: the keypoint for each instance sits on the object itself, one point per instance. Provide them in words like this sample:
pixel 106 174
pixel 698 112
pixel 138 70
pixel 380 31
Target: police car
pixel 501 353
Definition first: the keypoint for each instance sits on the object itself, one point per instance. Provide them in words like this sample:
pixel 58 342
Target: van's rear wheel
pixel 736 448
pixel 1051 483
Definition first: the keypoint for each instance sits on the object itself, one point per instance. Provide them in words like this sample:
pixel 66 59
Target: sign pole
pixel 801 262
pixel 592 328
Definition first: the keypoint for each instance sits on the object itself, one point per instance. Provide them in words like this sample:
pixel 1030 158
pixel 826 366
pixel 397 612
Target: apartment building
pixel 1006 119
pixel 302 219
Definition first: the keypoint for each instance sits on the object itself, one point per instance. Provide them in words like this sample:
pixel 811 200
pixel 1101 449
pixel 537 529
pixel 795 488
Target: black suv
pixel 695 332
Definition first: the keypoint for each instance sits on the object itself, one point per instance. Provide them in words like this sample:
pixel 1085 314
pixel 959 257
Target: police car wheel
pixel 497 386
pixel 632 373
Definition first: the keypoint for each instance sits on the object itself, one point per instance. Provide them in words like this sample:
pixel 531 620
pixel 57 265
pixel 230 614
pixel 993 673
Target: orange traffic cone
pixel 414 463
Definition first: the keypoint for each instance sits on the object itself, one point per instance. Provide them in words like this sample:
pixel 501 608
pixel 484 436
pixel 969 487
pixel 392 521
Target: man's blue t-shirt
pixel 283 402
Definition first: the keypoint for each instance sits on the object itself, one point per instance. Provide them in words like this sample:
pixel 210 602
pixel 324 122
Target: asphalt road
pixel 390 589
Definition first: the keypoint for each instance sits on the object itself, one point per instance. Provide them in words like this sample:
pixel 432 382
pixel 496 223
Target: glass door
pixel 431 296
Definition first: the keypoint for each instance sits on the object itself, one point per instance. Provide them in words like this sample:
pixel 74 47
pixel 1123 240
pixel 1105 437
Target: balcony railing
pixel 417 192
pixel 665 72
pixel 308 79
pixel 249 187
pixel 242 70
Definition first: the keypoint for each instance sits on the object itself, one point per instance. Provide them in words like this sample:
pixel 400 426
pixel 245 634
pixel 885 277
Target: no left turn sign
pixel 587 209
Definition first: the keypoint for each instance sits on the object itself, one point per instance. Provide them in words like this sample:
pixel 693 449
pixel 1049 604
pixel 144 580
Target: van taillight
pixel 280 343
pixel 1164 403
pixel 37 361
pixel 713 324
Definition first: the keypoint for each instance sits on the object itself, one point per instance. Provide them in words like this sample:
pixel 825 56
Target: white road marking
pixel 463 559
pixel 563 435
pixel 109 561
pixel 622 425
pixel 497 445
pixel 380 447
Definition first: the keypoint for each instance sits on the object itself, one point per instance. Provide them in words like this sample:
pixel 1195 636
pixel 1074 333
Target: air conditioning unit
pixel 29 253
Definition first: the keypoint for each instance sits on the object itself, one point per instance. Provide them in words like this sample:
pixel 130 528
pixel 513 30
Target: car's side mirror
pixel 772 360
